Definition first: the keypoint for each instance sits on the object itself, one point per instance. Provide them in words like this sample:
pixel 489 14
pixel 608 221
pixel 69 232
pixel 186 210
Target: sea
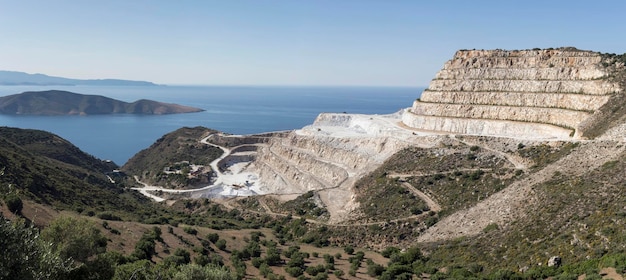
pixel 230 109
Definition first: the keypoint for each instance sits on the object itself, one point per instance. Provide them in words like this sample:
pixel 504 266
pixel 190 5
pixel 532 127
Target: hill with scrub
pixel 521 178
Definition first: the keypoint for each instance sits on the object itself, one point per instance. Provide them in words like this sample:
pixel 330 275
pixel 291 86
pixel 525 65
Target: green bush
pixel 24 256
pixel 315 270
pixel 14 203
pixel 221 244
pixel 213 237
pixel 294 271
pixel 75 238
pixel 272 256
pixel 329 259
pixel 374 269
pixel 390 251
pixel 348 249
pixel 196 272
pixel 108 216
pixel 490 227
pixel 180 257
pixel 190 230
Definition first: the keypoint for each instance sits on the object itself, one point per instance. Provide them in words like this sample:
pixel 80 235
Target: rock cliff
pixel 551 93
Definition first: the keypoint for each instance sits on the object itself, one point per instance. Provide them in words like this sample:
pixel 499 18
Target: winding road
pixel 219 181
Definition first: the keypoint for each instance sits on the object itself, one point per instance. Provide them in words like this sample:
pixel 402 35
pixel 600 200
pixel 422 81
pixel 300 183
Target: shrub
pixel 180 257
pixel 14 203
pixel 109 216
pixel 256 262
pixel 320 276
pixel 74 238
pixel 297 260
pixel 390 251
pixel 315 270
pixel 374 269
pixel 329 259
pixel 490 227
pixel 194 271
pixel 24 256
pixel 294 271
pixel 256 236
pixel 221 244
pixel 272 256
pixel 190 230
pixel 213 237
pixel 348 249
pixel 265 269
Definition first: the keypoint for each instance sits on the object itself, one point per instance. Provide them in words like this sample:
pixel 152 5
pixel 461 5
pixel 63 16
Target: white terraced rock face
pixel 330 155
pixel 530 94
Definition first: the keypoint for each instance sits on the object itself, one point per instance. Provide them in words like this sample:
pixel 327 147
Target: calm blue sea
pixel 237 110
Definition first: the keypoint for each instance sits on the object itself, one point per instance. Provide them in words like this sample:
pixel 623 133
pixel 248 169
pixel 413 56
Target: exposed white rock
pixel 573 101
pixel 493 127
pixel 332 153
pixel 548 93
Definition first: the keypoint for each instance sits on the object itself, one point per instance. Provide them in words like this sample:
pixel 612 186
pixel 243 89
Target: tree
pixel 221 244
pixel 272 256
pixel 75 238
pixel 14 203
pixel 145 247
pixel 213 237
pixel 24 256
pixel 139 270
pixel 348 249
pixel 180 257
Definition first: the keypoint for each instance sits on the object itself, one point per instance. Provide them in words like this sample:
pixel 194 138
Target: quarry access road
pixel 432 205
pixel 424 174
pixel 214 164
pixel 520 196
pixel 518 163
pixel 219 181
pixel 147 188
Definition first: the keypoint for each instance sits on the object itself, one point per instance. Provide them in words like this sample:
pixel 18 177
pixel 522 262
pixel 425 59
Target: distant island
pixel 56 102
pixel 14 78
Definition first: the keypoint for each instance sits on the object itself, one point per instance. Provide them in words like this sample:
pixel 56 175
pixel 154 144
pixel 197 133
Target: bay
pixel 231 109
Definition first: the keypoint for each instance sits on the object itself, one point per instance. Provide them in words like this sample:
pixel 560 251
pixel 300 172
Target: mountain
pixel 56 102
pixel 12 78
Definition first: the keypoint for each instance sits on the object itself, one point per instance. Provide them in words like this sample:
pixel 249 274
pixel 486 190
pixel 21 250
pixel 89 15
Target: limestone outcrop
pixel 530 93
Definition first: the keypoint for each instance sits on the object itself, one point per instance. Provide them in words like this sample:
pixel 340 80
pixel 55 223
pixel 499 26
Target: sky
pixel 287 42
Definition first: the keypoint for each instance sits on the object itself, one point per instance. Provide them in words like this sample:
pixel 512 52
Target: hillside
pixel 56 102
pixel 51 171
pixel 67 194
pixel 507 160
pixel 175 151
pixel 519 176
pixel 12 78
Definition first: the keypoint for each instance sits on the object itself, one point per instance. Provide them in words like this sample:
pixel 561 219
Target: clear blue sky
pixel 287 42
